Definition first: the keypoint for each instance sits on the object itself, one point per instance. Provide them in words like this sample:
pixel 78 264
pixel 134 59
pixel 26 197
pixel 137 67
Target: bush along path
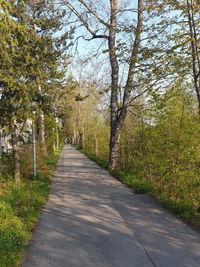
pixel 20 206
pixel 91 219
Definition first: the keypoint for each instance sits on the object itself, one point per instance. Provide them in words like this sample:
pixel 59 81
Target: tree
pixel 46 21
pixel 15 79
pixel 179 46
pixel 194 26
pixel 28 68
pixel 111 28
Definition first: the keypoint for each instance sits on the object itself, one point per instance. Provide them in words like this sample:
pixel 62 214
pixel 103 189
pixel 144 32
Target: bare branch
pixel 133 60
pixel 94 13
pixel 127 10
pixel 94 35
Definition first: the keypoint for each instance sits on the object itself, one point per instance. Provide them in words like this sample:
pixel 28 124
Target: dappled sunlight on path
pixel 91 219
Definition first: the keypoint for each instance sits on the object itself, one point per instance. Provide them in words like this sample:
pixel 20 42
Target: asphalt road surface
pixel 91 219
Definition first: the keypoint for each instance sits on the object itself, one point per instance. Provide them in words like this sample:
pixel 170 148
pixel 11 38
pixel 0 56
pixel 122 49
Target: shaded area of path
pixel 91 219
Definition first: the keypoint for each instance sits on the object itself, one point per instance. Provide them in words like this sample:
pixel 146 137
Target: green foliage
pixel 6 169
pixel 181 208
pixel 82 124
pixel 51 161
pixel 31 78
pixel 139 184
pixel 15 67
pixel 12 235
pixel 142 186
pixel 160 151
pixel 19 211
pixel 163 149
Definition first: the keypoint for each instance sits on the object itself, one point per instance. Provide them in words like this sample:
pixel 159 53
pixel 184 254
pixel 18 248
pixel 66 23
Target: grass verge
pixel 140 185
pixel 20 207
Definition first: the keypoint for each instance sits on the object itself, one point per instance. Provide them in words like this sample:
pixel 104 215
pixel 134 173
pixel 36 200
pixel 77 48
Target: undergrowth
pixel 20 207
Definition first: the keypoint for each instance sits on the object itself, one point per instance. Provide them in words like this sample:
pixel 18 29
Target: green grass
pixel 183 210
pixel 20 207
pixel 180 208
pixel 139 185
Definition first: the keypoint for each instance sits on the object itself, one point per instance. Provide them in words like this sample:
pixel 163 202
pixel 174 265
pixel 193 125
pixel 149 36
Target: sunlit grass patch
pixel 20 207
pixel 139 185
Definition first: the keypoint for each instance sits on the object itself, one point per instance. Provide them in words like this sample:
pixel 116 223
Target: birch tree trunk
pixel 118 114
pixel 114 123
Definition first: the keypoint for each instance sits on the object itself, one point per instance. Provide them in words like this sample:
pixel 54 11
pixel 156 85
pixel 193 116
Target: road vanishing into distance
pixel 91 219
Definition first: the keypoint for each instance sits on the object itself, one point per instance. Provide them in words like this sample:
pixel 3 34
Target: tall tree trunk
pixel 115 147
pixel 42 136
pixel 118 114
pixel 114 136
pixel 15 150
pixel 77 139
pixel 74 137
pixel 57 138
pixel 81 140
pixel 42 140
pixel 54 140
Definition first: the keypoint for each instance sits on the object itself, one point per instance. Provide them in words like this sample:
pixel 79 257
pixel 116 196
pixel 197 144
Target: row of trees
pixel 159 140
pixel 31 77
pixel 149 44
pixel 151 124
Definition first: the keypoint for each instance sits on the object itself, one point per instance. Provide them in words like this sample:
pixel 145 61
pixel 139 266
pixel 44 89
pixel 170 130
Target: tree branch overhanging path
pixel 118 110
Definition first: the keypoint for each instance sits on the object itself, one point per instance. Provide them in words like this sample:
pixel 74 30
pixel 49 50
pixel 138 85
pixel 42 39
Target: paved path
pixel 91 219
